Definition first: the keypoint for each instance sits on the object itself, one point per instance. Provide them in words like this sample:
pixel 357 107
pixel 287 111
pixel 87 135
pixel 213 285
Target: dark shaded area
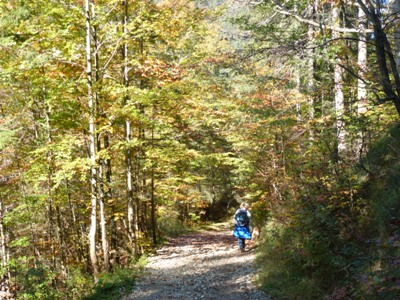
pixel 221 210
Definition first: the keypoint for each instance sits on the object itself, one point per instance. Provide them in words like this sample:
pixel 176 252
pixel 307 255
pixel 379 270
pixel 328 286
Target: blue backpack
pixel 242 218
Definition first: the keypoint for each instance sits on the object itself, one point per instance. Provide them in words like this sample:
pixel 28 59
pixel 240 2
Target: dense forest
pixel 125 122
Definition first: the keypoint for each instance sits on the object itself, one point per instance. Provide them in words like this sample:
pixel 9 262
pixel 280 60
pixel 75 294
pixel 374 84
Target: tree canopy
pixel 124 122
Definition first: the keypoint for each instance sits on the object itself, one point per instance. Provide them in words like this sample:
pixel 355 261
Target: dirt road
pixel 203 265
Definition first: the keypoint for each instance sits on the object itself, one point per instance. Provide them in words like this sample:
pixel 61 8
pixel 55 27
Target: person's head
pixel 245 205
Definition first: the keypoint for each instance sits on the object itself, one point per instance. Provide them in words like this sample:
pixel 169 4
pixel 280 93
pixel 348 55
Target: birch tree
pixel 362 97
pixel 101 177
pixel 362 63
pixel 339 99
pixel 92 140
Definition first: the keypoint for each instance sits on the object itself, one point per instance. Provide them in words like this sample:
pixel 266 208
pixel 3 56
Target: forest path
pixel 202 265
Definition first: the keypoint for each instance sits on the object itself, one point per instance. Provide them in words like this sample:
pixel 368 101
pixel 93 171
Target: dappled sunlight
pixel 199 265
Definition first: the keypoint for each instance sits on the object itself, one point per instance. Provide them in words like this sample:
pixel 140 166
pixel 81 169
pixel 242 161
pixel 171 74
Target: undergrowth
pixel 113 285
pixel 338 237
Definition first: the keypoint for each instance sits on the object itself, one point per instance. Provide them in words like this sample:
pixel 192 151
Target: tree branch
pixel 313 23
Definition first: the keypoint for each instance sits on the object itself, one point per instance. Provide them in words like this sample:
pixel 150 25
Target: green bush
pixel 113 285
pixel 380 278
pixel 76 284
pixel 282 268
pixel 169 222
pixel 338 237
pixel 40 281
pixel 308 257
pixel 35 281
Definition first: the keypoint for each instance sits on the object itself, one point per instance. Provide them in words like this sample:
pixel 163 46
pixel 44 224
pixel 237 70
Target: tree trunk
pixel 362 101
pixel 128 136
pixel 311 82
pixel 338 92
pixel 362 63
pixel 51 225
pixel 3 242
pixel 100 176
pixel 92 145
pixel 383 53
pixel 109 195
pixel 298 103
pixel 152 197
pixel 5 280
pixel 106 195
pixel 104 241
pixel 395 12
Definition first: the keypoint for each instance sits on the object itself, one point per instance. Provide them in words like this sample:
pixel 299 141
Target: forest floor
pixel 203 265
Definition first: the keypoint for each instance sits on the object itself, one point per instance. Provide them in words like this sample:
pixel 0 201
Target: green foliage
pixel 169 221
pixel 282 274
pixel 76 284
pixel 36 282
pixel 113 285
pixel 338 235
pixel 208 126
pixel 39 281
pixel 6 137
pixel 36 285
pixel 381 224
pixel 311 253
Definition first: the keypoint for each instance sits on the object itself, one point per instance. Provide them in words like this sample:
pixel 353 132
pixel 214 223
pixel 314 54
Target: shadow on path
pixel 204 265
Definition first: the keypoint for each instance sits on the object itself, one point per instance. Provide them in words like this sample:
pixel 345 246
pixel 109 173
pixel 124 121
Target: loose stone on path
pixel 206 265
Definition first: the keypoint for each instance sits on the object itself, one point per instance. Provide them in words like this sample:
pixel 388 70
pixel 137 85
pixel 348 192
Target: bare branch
pixel 313 23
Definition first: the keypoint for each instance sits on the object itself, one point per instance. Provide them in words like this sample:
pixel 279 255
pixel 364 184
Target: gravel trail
pixel 203 265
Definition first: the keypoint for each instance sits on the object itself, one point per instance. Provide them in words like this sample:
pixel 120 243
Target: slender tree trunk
pixel 152 197
pixel 100 176
pixel 50 209
pixel 3 242
pixel 104 241
pixel 395 11
pixel 362 101
pixel 92 145
pixel 311 94
pixel 128 136
pixel 140 178
pixel 383 53
pixel 109 195
pixel 298 103
pixel 5 280
pixel 311 72
pixel 105 194
pixel 362 63
pixel 338 92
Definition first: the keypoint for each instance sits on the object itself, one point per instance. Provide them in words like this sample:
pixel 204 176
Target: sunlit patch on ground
pixel 206 265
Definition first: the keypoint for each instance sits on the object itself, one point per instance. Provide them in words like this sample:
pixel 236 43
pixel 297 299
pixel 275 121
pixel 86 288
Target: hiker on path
pixel 242 221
